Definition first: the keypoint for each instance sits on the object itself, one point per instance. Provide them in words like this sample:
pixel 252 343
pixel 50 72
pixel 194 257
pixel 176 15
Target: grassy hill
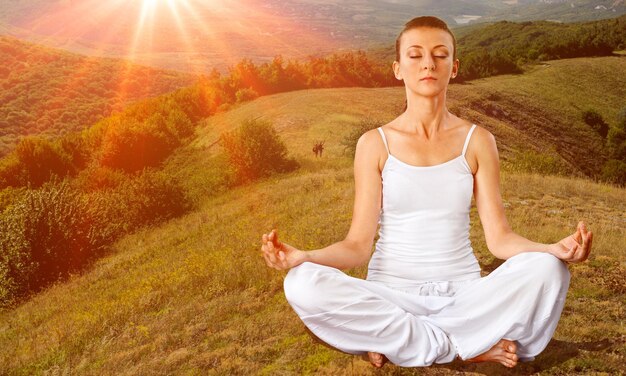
pixel 52 92
pixel 193 296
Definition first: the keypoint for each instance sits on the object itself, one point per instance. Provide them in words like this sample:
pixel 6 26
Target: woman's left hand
pixel 575 247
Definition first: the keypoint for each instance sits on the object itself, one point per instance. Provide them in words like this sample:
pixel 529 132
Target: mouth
pixel 428 78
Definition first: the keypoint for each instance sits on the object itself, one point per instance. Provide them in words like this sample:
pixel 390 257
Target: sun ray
pixel 189 35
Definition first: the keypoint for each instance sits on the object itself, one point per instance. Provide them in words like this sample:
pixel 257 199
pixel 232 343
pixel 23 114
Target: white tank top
pixel 424 222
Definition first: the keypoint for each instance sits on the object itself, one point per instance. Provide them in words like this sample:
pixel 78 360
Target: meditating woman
pixel 424 300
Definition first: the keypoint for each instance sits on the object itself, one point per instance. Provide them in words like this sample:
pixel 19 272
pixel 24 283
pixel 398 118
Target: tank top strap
pixel 469 134
pixel 382 134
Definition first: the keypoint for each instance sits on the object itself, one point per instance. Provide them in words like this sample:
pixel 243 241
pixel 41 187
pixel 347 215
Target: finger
pixel 583 231
pixel 275 238
pixel 580 251
pixel 264 238
pixel 283 259
pixel 588 246
pixel 577 236
pixel 271 251
pixel 267 256
pixel 267 261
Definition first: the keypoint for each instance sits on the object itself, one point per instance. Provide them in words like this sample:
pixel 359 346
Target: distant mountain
pixel 196 35
pixel 51 92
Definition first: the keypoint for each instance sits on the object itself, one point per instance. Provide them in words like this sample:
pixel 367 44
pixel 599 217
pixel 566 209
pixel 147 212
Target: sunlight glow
pixel 193 36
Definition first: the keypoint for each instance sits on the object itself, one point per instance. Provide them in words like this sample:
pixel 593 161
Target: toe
pixel 512 347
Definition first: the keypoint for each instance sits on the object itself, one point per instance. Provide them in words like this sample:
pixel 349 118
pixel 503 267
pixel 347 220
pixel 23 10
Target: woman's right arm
pixel 356 248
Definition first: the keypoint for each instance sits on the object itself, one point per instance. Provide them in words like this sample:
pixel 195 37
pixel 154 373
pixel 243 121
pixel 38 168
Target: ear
pixel 396 70
pixel 455 68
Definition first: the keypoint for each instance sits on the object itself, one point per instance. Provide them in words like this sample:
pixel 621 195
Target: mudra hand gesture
pixel 575 247
pixel 280 255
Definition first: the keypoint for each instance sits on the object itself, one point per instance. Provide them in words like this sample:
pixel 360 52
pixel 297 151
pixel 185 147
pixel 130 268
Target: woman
pixel 424 300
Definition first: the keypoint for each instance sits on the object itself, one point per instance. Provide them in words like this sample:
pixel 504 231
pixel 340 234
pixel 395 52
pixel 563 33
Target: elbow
pixel 497 244
pixel 362 251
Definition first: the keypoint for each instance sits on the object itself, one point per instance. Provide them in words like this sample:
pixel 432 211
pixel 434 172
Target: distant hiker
pixel 318 148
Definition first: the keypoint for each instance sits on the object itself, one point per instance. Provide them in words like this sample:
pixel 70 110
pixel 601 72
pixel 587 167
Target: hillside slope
pixel 538 112
pixel 51 92
pixel 193 296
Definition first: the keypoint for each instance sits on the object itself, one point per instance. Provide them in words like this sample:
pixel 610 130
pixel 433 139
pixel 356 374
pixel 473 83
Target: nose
pixel 428 62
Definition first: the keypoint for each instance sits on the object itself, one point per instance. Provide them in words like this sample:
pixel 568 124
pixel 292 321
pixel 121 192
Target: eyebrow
pixel 418 46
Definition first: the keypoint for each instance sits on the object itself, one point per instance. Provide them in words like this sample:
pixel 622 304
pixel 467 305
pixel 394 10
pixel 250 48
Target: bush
pixel 151 198
pixel 39 159
pixel 44 237
pixel 616 141
pixel 95 178
pixel 133 146
pixel 614 171
pixel 55 230
pixel 254 150
pixel 595 121
pixel 16 266
pixel 245 94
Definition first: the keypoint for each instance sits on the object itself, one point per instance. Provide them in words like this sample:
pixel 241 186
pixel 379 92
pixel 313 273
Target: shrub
pixel 133 146
pixel 44 236
pixel 39 159
pixel 616 142
pixel 16 266
pixel 245 94
pixel 595 121
pixel 151 197
pixel 55 230
pixel 614 171
pixel 255 151
pixel 12 174
pixel 95 178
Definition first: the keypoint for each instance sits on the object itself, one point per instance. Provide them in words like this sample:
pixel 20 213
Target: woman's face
pixel 426 51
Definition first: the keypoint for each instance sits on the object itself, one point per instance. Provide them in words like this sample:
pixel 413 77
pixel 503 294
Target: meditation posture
pixel 424 300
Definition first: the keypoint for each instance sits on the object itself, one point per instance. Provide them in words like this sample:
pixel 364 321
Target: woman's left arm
pixel 501 240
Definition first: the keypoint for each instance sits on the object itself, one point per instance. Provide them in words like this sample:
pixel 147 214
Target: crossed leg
pixel 527 291
pixel 355 316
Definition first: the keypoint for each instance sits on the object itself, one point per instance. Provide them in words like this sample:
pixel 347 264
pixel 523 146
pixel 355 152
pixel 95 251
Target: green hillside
pixel 52 92
pixel 193 296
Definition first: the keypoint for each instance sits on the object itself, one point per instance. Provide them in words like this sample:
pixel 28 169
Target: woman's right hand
pixel 280 255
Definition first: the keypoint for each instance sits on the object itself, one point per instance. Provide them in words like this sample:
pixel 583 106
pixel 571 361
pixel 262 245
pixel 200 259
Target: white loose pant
pixel 433 322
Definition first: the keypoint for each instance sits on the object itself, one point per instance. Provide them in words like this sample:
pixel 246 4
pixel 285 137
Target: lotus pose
pixel 424 300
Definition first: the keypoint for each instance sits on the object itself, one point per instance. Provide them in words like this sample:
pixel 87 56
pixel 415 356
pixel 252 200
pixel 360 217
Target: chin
pixel 430 92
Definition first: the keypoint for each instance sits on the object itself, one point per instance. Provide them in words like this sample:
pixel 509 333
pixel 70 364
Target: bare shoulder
pixel 482 137
pixel 481 148
pixel 370 148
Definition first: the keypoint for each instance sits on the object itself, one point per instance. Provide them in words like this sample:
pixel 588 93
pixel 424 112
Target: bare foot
pixel 378 360
pixel 502 352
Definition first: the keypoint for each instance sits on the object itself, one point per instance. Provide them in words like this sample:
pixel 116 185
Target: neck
pixel 425 116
